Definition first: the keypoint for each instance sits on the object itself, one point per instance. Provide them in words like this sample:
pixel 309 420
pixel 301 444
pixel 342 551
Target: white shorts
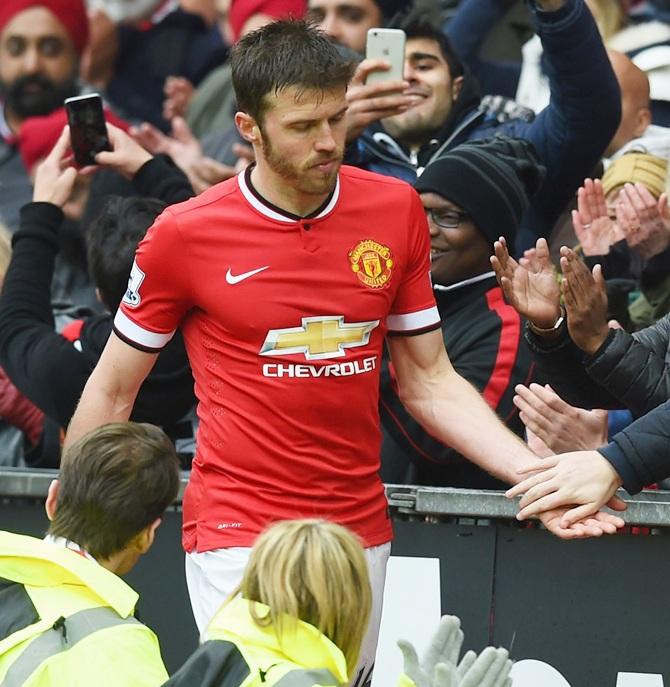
pixel 212 576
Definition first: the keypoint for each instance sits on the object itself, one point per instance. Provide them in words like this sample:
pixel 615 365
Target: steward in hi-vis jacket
pixel 68 621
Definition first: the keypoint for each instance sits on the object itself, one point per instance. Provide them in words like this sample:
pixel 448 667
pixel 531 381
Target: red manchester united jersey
pixel 284 320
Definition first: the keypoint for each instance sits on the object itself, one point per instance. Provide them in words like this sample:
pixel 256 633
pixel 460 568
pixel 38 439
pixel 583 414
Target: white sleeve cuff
pixel 143 338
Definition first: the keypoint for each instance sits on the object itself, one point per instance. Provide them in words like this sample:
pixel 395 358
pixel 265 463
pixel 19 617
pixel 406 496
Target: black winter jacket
pixel 50 369
pixel 628 370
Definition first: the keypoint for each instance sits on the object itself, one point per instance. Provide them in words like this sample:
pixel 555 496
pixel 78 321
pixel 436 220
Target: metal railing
pixel 649 507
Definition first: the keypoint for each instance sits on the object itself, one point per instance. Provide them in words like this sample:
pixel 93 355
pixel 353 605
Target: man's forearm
pixel 457 415
pixel 96 407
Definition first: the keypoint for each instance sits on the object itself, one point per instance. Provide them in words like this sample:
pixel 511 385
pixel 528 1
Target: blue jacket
pixel 468 29
pixel 569 135
pixel 640 453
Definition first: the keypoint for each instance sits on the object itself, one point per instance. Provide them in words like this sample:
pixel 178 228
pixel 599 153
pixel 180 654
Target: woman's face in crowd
pixel 458 252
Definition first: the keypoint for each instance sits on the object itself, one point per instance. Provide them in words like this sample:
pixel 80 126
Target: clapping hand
pixel 185 149
pixel 585 299
pixel 440 666
pixel 530 285
pixel 559 425
pixel 645 223
pixel 594 228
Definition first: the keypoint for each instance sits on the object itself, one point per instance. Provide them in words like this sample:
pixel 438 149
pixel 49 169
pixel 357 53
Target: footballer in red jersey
pixel 285 282
pixel 284 320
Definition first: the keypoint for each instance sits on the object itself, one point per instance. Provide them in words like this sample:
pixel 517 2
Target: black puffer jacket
pixel 628 370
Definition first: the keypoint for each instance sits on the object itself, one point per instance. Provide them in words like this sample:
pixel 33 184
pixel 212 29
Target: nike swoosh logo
pixel 237 278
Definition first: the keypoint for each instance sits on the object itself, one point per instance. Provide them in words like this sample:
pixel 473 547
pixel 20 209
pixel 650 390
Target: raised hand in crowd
pixel 440 667
pixel 594 227
pixel 585 299
pixel 99 57
pixel 55 176
pixel 185 149
pixel 369 103
pixel 178 92
pixel 529 285
pixel 127 155
pixel 645 222
pixel 560 426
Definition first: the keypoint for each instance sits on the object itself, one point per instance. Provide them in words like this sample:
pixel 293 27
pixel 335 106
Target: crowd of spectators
pixel 542 169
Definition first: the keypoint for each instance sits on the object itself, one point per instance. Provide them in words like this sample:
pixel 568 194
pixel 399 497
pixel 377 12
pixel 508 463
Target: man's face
pixel 302 137
pixel 38 64
pixel 347 21
pixel 456 253
pixel 635 118
pixel 433 89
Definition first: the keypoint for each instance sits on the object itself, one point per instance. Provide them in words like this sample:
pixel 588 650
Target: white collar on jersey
pixel 272 211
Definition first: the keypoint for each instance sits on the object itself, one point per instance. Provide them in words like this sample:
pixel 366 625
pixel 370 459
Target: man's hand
pixel 593 226
pixel 55 175
pixel 644 221
pixel 579 484
pixel 529 286
pixel 370 103
pixel 559 425
pixel 594 525
pixel 185 149
pixel 585 298
pixel 178 92
pixel 99 58
pixel 126 157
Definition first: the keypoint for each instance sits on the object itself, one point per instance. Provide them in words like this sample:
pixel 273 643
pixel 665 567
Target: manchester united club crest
pixel 371 262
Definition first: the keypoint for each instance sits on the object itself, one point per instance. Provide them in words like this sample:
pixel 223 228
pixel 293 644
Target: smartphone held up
pixel 88 132
pixel 389 45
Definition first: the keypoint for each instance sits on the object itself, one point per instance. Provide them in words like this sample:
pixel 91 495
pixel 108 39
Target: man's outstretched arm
pixel 452 410
pixel 109 394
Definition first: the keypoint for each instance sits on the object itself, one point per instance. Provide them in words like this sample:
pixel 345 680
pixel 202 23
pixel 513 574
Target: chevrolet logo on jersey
pixel 325 336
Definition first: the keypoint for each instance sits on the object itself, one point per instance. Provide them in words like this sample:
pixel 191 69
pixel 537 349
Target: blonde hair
pixel 5 251
pixel 314 571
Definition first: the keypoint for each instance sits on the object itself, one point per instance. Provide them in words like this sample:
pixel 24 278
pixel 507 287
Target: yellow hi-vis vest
pixel 65 620
pixel 240 653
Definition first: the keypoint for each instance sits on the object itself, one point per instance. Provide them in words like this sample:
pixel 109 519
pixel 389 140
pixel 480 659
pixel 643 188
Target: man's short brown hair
pixel 281 55
pixel 114 482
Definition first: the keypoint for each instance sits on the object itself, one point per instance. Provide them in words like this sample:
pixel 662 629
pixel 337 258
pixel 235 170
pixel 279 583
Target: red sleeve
pixel 414 310
pixel 159 289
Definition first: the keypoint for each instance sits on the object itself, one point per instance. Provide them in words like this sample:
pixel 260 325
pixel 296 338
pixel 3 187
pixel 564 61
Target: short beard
pixel 24 102
pixel 285 169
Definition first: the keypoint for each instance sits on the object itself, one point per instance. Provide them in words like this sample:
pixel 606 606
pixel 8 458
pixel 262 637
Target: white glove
pixel 490 669
pixel 438 666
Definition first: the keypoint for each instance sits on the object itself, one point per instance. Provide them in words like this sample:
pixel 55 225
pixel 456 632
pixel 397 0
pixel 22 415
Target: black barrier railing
pixel 649 508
